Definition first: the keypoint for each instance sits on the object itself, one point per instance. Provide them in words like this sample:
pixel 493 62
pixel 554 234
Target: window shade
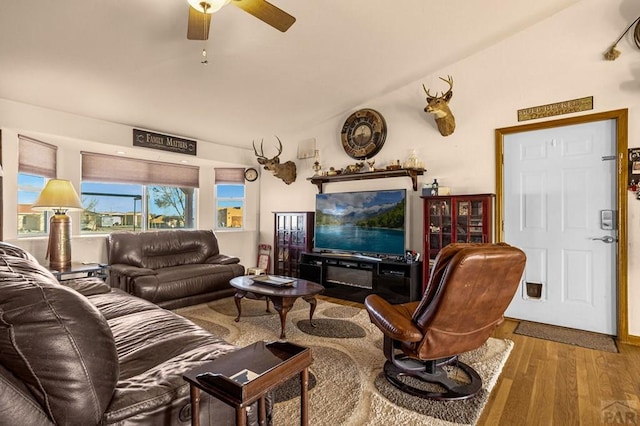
pixel 110 168
pixel 36 157
pixel 229 175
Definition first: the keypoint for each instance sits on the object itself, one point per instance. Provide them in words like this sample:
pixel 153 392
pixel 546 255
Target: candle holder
pixel 316 164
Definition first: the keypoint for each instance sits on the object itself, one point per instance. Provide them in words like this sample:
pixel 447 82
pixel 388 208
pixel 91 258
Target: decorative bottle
pixel 434 187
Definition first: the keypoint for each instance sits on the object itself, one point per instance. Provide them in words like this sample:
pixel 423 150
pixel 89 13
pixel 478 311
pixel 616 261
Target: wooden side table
pixel 80 269
pixel 245 376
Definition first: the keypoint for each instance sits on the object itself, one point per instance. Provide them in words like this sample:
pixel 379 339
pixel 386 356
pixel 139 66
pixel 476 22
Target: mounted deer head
pixel 285 171
pixel 439 107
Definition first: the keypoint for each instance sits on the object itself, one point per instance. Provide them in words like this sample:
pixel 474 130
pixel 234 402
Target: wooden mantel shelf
pixel 319 181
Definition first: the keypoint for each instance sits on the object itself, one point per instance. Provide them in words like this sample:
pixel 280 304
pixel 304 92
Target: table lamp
pixel 60 196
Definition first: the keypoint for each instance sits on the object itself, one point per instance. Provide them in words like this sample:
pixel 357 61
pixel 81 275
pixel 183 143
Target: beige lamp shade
pixel 58 195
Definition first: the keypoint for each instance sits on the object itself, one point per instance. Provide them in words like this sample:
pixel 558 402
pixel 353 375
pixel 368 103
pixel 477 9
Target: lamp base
pixel 59 249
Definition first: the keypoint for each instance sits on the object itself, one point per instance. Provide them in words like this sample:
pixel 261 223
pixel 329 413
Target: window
pixel 141 195
pixel 230 198
pixel 115 206
pixel 229 205
pixel 111 206
pixel 30 222
pixel 170 207
pixel 36 164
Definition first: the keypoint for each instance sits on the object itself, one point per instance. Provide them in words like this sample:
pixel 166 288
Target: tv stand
pixel 355 276
pixel 353 256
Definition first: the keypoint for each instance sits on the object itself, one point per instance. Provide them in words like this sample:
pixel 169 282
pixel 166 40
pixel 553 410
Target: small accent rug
pixel 349 387
pixel 570 336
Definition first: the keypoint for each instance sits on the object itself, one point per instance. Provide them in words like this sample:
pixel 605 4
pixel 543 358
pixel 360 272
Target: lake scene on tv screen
pixel 361 222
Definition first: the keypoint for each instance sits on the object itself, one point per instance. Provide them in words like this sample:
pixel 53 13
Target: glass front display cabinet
pixel 293 235
pixel 455 219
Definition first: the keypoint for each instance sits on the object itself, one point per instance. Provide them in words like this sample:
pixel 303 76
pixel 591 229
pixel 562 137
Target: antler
pixel 279 147
pixel 449 81
pixel 429 95
pixel 255 151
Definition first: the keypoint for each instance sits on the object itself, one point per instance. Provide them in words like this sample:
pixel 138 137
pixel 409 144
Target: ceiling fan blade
pixel 198 25
pixel 266 12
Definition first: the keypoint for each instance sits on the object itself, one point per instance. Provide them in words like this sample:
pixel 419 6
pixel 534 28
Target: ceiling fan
pixel 200 15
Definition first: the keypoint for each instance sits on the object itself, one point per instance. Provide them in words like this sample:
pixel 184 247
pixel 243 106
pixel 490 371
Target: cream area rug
pixel 349 387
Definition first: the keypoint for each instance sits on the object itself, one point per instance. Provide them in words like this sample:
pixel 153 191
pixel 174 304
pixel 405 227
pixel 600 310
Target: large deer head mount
pixel 439 107
pixel 285 171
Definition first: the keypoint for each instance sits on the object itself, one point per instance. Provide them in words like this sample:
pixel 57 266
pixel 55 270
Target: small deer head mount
pixel 439 107
pixel 285 171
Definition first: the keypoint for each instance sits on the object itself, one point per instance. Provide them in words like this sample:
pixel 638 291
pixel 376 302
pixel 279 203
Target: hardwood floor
pixel 549 383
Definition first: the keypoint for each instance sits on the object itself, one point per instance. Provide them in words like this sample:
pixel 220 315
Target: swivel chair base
pixel 432 372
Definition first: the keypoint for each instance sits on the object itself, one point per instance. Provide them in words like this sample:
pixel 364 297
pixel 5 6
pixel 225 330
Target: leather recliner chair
pixel 469 289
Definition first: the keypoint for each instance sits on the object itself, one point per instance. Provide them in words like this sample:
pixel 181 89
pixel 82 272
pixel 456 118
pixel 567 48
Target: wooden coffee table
pixel 281 297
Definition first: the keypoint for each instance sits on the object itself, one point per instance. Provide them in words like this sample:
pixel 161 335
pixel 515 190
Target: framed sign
pixel 164 142
pixel 558 108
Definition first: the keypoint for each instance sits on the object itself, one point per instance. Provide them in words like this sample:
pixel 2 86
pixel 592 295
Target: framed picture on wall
pixel 634 167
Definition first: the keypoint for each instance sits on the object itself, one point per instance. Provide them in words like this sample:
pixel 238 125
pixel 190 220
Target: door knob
pixel 606 239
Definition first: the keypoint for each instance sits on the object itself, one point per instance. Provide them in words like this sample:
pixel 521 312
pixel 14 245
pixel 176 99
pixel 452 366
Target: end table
pixel 245 376
pixel 80 269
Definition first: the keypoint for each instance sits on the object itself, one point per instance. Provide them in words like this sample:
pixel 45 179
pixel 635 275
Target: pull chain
pixel 205 30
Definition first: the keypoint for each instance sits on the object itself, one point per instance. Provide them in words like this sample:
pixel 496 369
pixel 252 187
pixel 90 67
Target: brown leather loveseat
pixel 172 268
pixel 86 354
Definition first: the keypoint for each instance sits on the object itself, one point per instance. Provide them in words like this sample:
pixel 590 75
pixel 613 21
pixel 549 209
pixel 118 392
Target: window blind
pixel 36 157
pixel 229 175
pixel 111 168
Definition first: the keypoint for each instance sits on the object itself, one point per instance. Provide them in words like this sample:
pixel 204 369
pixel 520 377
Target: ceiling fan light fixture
pixel 209 6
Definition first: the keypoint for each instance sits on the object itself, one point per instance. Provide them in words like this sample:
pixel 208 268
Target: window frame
pixel 99 169
pixel 44 215
pixel 38 159
pixel 221 199
pixel 145 217
pixel 229 176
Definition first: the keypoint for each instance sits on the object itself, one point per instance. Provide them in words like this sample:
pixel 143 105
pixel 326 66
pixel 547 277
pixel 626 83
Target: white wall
pixel 73 134
pixel 559 59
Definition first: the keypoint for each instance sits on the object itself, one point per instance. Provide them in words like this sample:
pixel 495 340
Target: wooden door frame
pixel 621 117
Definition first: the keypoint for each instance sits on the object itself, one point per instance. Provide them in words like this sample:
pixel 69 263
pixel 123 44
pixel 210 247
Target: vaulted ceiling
pixel 130 61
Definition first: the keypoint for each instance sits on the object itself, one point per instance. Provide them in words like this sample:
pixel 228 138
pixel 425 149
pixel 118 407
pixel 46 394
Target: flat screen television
pixel 363 222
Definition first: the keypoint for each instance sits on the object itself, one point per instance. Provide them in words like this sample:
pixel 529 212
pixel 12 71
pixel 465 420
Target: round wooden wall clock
pixel 363 134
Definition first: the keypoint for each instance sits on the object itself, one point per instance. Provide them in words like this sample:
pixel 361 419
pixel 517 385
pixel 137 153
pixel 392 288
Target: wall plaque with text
pixel 559 108
pixel 164 142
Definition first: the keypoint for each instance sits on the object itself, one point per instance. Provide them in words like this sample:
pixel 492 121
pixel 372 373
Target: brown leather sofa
pixel 93 355
pixel 172 268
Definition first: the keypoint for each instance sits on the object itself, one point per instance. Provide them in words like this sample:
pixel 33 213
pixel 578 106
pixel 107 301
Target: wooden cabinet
pixel 293 235
pixel 455 219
